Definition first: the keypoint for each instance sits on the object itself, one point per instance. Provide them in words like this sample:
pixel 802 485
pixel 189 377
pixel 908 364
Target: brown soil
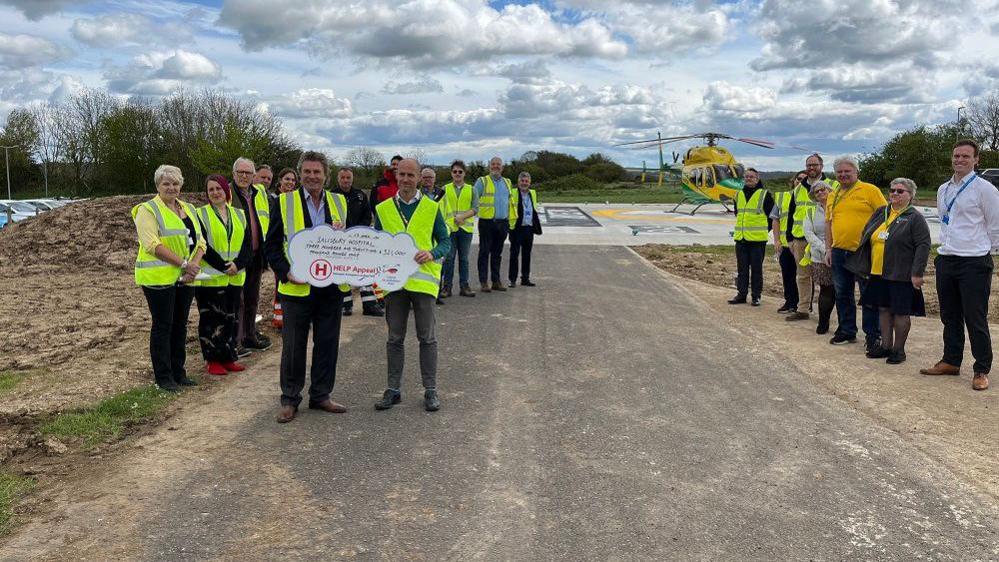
pixel 78 324
pixel 716 265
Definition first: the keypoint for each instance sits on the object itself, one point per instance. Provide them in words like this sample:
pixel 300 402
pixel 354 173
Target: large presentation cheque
pixel 358 256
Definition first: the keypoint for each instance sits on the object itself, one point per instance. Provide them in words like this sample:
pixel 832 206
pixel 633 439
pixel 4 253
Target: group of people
pixel 216 254
pixel 838 234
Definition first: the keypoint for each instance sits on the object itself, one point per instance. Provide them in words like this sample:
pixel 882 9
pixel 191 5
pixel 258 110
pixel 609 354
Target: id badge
pixel 883 235
pixel 945 219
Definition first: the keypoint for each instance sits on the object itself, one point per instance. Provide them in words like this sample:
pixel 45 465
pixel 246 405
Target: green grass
pixel 12 488
pixel 616 193
pixel 9 379
pixel 106 421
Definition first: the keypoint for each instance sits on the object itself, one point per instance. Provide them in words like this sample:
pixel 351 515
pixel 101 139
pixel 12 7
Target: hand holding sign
pixel 359 256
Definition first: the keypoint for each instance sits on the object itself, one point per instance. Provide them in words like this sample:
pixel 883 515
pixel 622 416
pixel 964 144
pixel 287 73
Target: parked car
pixel 991 174
pixel 3 220
pixel 39 204
pixel 18 210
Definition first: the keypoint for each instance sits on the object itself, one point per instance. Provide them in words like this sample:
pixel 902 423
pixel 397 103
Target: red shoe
pixel 215 368
pixel 233 366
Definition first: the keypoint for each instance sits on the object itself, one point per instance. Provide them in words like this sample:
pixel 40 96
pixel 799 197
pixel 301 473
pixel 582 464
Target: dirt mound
pixel 94 234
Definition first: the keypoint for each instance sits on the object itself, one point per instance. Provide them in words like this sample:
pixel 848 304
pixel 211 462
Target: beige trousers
pixel 803 277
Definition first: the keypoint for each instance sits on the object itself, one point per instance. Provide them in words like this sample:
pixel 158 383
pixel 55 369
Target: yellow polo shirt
pixel 849 210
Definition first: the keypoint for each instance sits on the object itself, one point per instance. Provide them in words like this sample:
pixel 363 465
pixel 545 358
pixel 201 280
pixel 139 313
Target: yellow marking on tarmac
pixel 613 214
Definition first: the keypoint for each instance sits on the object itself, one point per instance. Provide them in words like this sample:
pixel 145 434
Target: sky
pixel 471 79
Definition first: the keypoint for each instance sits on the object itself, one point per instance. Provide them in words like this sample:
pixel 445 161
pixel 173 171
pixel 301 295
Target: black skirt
pixel 899 297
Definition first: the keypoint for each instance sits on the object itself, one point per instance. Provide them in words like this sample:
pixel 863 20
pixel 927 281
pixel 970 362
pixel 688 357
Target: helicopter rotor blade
pixel 757 142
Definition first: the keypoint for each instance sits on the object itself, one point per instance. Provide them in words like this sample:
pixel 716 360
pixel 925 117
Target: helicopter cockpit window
pixel 723 173
pixel 740 171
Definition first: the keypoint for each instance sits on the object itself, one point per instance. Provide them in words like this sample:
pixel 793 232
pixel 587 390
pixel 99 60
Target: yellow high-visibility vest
pixel 456 204
pixel 751 221
pixel 225 242
pixel 487 201
pixel 515 199
pixel 427 278
pixel 293 214
pixel 151 271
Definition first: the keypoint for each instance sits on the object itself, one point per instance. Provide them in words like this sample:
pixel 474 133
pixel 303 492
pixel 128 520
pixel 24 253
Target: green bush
pixel 575 182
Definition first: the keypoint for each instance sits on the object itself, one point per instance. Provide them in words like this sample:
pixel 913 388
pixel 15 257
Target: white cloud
pixel 112 29
pixel 23 51
pixel 724 97
pixel 425 85
pixel 161 73
pixel 422 33
pixel 821 33
pixel 899 84
pixel 310 103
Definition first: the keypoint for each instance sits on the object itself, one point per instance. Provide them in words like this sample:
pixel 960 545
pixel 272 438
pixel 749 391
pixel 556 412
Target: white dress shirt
pixel 973 224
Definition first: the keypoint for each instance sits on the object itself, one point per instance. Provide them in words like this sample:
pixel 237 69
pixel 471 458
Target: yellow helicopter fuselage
pixel 711 172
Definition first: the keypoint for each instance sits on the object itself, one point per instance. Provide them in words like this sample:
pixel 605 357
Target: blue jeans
pixel 846 304
pixel 461 243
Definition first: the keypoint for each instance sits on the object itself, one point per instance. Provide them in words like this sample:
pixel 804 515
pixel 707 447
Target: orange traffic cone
pixel 278 321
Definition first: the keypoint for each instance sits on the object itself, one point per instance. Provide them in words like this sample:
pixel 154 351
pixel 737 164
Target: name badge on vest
pixel 945 219
pixel 883 235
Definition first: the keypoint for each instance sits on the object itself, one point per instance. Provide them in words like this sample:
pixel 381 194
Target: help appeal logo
pixel 359 256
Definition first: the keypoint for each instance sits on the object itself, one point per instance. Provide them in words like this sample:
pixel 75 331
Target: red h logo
pixel 321 269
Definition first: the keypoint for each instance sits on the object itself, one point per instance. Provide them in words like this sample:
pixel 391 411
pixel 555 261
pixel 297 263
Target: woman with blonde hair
pixel 170 250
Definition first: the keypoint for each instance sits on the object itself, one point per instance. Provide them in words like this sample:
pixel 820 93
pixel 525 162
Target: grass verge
pixel 9 379
pixel 107 420
pixel 12 488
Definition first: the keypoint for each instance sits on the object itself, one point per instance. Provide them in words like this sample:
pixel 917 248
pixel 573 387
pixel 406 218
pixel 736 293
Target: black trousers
pixel 788 275
pixel 749 258
pixel 217 307
pixel 963 289
pixel 492 235
pixel 521 242
pixel 319 311
pixel 247 313
pixel 169 307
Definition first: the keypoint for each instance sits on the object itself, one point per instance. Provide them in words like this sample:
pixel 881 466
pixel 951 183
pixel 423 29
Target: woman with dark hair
pixel 287 181
pixel 893 252
pixel 227 254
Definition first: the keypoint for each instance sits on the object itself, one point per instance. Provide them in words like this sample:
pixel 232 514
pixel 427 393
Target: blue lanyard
pixel 959 192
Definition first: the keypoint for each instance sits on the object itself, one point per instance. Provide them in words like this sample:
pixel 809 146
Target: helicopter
pixel 709 174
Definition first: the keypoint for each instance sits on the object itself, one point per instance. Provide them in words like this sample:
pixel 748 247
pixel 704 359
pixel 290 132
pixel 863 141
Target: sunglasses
pixel 898 191
pixel 457 171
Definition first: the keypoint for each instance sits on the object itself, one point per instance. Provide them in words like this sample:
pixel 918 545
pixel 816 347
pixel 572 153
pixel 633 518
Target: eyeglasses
pixel 898 191
pixel 457 171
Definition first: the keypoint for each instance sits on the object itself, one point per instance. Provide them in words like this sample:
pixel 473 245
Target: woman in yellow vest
pixel 227 254
pixel 892 255
pixel 170 250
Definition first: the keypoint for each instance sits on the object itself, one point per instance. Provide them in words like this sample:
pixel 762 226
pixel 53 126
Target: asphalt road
pixel 604 414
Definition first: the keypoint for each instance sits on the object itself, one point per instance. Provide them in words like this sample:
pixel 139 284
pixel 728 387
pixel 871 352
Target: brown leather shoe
pixel 980 382
pixel 287 413
pixel 445 293
pixel 942 368
pixel 485 288
pixel 497 286
pixel 329 406
pixel 467 292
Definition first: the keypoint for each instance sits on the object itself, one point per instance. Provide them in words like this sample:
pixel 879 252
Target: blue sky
pixel 470 78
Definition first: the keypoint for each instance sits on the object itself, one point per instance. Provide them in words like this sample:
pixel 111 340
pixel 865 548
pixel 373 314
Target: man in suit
pixel 523 227
pixel 306 307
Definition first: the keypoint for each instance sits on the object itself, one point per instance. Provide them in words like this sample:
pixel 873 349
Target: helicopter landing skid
pixel 700 203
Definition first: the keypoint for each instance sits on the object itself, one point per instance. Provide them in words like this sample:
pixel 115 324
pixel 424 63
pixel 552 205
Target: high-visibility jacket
pixel 225 242
pixel 293 215
pixel 427 278
pixel 802 202
pixel 515 199
pixel 487 201
pixel 262 205
pixel 782 200
pixel 457 204
pixel 151 270
pixel 751 221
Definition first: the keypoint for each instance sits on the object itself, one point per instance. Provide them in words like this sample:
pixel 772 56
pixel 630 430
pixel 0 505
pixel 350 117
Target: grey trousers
pixel 397 306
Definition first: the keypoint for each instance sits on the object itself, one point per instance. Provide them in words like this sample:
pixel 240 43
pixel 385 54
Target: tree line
pixel 95 143
pixel 923 153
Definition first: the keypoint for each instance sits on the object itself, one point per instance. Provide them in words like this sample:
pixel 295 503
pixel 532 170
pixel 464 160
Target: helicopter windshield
pixel 723 173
